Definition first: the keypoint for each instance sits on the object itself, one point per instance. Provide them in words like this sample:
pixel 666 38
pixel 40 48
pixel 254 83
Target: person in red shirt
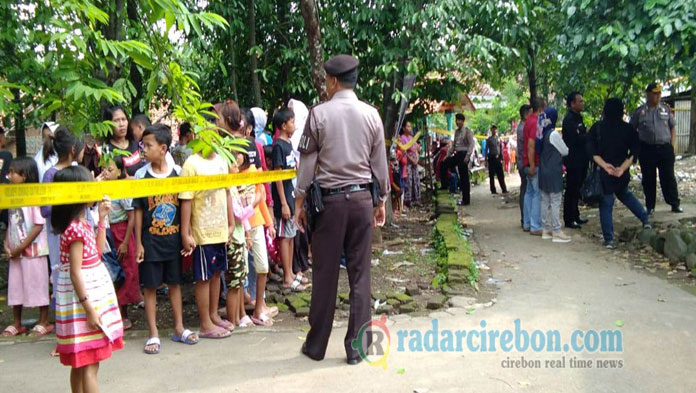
pixel 530 160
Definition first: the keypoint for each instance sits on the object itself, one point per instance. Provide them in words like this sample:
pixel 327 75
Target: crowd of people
pixel 554 166
pixel 234 240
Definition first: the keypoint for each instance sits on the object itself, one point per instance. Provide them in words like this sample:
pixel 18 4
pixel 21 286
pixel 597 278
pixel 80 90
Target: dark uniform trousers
pixel 575 177
pixel 457 161
pixel 495 169
pixel 345 225
pixel 655 158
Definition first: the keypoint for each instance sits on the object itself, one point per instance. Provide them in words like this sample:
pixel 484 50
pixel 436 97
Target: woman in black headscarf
pixel 613 144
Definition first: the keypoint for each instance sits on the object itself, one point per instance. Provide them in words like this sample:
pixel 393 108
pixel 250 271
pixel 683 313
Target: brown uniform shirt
pixel 654 125
pixel 343 145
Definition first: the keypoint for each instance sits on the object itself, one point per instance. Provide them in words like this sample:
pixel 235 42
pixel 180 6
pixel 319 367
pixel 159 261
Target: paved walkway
pixel 553 286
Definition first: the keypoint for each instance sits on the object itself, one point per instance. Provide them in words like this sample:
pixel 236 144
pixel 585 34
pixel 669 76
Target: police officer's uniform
pixel 654 126
pixel 342 147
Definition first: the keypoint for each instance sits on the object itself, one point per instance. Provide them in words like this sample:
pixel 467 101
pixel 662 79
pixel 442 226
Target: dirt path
pixel 553 286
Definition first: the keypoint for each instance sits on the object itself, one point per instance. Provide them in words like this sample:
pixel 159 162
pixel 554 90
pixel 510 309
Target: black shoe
pixel 353 361
pixel 573 225
pixel 651 212
pixel 609 245
pixel 494 192
pixel 581 221
pixel 677 209
pixel 304 352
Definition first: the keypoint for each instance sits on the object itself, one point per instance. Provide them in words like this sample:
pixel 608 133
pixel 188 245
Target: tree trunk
pixel 282 30
pixel 232 72
pixel 136 78
pixel 692 132
pixel 311 19
pixel 531 74
pixel 255 86
pixel 20 134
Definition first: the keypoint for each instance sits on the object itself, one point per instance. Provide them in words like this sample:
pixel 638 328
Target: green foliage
pixel 504 111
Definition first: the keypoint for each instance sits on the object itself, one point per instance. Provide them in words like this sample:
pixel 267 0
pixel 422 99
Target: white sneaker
pixel 546 235
pixel 560 237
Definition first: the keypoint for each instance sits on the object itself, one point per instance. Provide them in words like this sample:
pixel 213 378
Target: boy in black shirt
pixel 283 157
pixel 158 238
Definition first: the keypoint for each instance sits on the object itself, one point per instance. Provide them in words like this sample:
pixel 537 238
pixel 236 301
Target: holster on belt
pixel 375 191
pixel 315 204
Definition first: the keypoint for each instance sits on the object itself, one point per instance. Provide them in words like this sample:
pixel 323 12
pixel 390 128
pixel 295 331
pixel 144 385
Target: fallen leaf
pixel 401 371
pixel 619 323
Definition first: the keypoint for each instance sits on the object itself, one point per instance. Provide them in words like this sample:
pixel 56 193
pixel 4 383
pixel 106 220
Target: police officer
pixel 655 126
pixel 342 148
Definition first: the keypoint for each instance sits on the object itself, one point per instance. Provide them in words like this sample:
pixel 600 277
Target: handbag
pixel 110 260
pixel 592 191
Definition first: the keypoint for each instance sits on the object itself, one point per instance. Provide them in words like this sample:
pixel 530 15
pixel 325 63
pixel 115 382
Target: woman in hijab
pixel 613 145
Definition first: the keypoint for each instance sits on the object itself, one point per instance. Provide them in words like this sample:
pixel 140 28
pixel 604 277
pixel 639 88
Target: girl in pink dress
pixel 88 321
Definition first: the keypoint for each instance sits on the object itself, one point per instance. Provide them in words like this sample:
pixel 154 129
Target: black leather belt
pixel 345 190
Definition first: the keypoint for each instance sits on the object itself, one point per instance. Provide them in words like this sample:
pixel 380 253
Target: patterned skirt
pixel 78 344
pixel 237 264
pixel 412 185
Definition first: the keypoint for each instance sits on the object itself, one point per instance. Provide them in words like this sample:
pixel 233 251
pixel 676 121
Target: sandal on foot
pixel 12 331
pixel 263 320
pixel 303 280
pixel 152 341
pixel 127 324
pixel 245 322
pixel 225 324
pixel 186 338
pixel 273 312
pixel 216 334
pixel 39 331
pixel 296 286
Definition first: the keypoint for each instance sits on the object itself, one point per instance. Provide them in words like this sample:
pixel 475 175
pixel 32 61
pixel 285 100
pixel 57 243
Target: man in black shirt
pixel 575 136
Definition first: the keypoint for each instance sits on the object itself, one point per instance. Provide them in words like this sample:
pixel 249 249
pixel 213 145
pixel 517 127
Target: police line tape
pixel 48 194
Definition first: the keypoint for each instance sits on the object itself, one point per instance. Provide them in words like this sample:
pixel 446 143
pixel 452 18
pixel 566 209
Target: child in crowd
pixel 138 124
pixel 205 231
pixel 121 223
pixel 257 222
pixel 158 239
pixel 68 148
pixel 238 250
pixel 28 249
pixel 284 197
pixel 181 151
pixel 85 303
pixel 395 179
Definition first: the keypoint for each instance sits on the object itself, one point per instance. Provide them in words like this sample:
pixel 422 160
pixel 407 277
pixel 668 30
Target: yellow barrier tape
pixel 410 143
pixel 46 194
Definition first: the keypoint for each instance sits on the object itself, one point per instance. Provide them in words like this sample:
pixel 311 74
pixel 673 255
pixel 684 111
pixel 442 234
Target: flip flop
pixel 263 320
pixel 216 334
pixel 273 311
pixel 39 331
pixel 245 322
pixel 227 325
pixel 185 338
pixel 12 331
pixel 152 341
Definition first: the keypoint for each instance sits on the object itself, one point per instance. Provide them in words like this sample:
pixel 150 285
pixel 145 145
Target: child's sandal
pixel 152 341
